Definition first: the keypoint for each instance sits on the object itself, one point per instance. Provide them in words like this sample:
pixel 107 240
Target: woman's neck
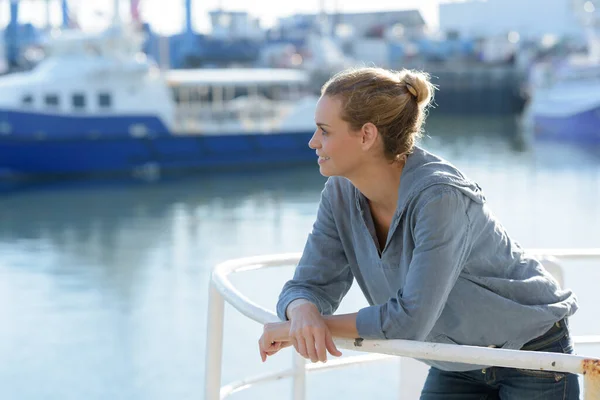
pixel 379 183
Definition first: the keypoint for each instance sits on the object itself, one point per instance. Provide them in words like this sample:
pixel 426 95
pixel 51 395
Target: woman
pixel 433 262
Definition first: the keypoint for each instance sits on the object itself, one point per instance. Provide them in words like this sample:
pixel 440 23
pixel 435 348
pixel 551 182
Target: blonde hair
pixel 394 101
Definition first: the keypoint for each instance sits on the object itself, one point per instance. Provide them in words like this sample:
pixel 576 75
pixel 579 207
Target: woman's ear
pixel 369 134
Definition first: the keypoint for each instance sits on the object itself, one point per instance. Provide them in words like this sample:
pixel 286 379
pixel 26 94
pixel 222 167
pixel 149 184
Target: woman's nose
pixel 313 143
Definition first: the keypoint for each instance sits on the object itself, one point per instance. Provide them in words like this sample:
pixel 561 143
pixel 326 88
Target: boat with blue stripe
pixel 98 105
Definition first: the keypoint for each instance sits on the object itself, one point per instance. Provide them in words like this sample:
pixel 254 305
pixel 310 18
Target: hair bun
pixel 411 89
pixel 418 85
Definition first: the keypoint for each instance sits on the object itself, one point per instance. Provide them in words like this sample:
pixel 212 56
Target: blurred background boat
pixel 97 104
pixel 564 101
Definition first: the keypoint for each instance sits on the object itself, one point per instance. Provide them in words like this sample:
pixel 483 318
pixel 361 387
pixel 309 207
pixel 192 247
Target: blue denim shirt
pixel 449 272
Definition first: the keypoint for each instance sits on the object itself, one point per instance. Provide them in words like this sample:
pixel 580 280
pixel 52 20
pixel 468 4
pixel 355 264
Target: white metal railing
pixel 221 290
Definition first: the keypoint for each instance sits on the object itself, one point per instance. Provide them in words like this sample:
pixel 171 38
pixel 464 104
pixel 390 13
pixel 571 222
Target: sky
pixel 167 16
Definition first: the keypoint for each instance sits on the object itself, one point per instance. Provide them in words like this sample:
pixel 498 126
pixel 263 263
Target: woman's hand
pixel 274 338
pixel 310 335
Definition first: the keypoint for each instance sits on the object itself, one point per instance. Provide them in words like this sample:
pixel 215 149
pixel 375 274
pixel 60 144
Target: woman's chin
pixel 326 170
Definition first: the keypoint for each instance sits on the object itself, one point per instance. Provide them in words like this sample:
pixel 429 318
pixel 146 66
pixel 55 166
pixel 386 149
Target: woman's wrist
pixel 279 331
pixel 298 303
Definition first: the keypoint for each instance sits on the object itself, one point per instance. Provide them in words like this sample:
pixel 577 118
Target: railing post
pixel 591 380
pixel 299 379
pixel 214 344
pixel 400 383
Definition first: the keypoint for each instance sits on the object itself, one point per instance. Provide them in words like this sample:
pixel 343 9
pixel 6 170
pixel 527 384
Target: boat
pixel 564 101
pixel 567 106
pixel 97 105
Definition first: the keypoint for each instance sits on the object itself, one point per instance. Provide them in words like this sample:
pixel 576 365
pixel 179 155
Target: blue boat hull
pixel 46 144
pixel 582 127
pixel 67 156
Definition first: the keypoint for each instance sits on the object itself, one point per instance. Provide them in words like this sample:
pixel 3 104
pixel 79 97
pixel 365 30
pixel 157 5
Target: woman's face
pixel 339 149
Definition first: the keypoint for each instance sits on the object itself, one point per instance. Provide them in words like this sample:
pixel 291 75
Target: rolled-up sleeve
pixel 323 275
pixel 441 236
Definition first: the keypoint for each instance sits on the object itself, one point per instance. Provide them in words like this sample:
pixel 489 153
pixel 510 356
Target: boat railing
pixel 250 114
pixel 221 290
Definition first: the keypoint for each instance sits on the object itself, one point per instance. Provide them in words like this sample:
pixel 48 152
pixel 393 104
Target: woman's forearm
pixel 343 325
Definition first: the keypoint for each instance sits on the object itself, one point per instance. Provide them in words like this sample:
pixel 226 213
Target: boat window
pixel 78 101
pixel 241 91
pixel 104 100
pixel 279 92
pixel 229 93
pixel 51 100
pixel 27 100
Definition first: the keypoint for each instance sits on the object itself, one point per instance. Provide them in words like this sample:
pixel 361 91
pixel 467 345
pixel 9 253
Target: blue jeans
pixel 496 383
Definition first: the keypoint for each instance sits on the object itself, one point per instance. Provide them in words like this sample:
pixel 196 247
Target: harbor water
pixel 103 285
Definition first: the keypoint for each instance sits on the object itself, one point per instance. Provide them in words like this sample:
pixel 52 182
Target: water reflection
pixel 102 285
pixel 94 230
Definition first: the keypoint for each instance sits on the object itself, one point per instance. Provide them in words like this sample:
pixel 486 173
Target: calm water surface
pixel 103 288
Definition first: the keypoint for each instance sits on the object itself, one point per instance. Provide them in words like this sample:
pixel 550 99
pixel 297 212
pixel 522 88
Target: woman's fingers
pixel 331 347
pixel 285 344
pixel 320 346
pixel 280 345
pixel 274 338
pixel 301 343
pixel 314 344
pixel 274 348
pixel 263 353
pixel 267 347
pixel 270 349
pixel 310 348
